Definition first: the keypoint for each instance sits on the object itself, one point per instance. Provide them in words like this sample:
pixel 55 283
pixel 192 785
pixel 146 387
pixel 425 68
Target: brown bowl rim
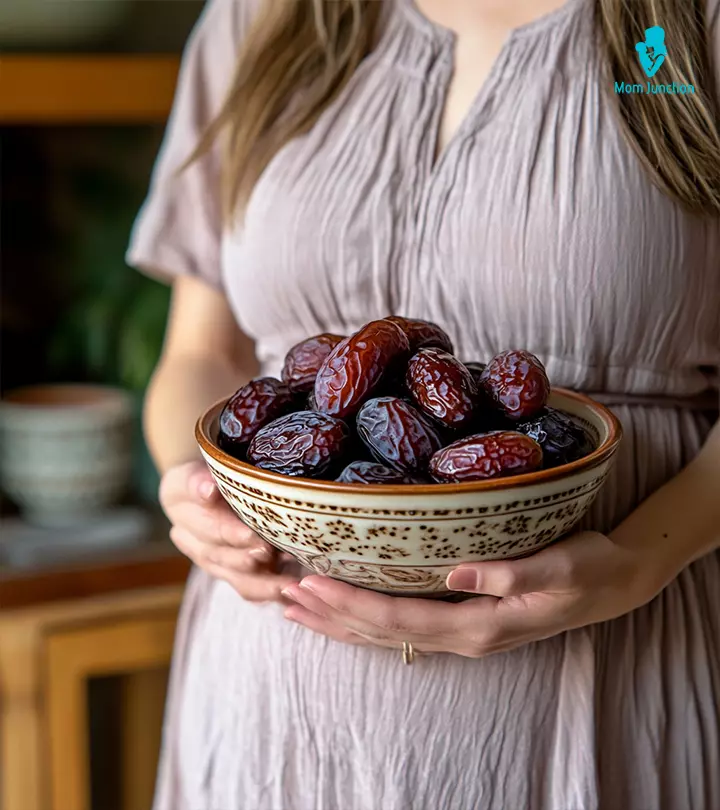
pixel 605 450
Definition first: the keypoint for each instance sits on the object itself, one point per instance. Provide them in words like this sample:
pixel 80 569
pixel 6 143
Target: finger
pixel 188 481
pixel 549 570
pixel 218 525
pixel 323 626
pixel 263 586
pixel 399 618
pixel 204 554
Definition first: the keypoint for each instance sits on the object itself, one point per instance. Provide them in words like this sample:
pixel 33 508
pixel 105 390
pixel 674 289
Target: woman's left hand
pixel 582 580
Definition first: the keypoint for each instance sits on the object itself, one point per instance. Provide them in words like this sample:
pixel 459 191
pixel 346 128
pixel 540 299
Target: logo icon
pixel 652 51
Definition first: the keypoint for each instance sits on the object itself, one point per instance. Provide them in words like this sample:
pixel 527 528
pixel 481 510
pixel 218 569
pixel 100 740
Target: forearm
pixel 684 514
pixel 181 388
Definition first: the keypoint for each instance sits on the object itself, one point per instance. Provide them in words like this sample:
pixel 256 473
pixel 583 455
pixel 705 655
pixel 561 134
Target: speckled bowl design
pixel 404 540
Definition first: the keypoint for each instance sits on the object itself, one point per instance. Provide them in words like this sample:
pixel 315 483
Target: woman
pixel 467 162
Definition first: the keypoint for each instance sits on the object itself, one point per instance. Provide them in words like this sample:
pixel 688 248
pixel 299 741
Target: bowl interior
pixel 602 425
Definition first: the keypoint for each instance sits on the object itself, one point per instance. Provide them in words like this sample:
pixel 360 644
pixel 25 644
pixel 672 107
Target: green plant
pixel 112 328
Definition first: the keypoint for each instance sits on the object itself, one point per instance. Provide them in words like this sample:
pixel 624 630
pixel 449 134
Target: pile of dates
pixel 391 404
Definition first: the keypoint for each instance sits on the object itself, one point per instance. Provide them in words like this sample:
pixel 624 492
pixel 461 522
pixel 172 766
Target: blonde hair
pixel 316 46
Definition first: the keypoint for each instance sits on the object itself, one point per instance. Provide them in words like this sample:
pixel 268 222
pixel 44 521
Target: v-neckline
pixel 441 31
pixel 447 39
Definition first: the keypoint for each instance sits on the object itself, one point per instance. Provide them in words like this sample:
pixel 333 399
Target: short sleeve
pixel 179 227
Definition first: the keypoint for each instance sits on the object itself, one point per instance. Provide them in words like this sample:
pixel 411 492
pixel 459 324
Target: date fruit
pixel 370 472
pixel 422 334
pixel 303 361
pixel 476 369
pixel 397 434
pixel 305 443
pixel 442 387
pixel 355 367
pixel 251 408
pixel 492 455
pixel 516 383
pixel 562 440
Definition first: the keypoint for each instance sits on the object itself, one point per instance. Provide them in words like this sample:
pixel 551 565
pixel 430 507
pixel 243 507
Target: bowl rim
pixel 601 454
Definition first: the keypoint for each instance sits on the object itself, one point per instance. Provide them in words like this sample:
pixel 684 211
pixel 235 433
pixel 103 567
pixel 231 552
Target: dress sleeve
pixel 178 229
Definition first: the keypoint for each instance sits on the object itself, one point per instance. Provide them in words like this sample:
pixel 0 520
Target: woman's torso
pixel 536 227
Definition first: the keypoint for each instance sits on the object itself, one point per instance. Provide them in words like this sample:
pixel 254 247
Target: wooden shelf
pixel 86 89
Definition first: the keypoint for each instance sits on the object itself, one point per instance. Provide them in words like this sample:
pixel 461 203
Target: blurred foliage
pixel 112 330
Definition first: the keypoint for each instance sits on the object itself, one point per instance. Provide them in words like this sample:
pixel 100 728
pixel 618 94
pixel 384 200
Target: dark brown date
pixel 305 443
pixel 442 387
pixel 492 455
pixel 251 408
pixel 303 361
pixel 516 383
pixel 397 434
pixel 476 369
pixel 370 472
pixel 355 367
pixel 562 440
pixel 422 334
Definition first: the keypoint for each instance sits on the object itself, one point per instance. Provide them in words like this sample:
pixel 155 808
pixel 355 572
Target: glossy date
pixel 305 443
pixel 421 334
pixel 355 367
pixel 303 361
pixel 492 455
pixel 442 387
pixel 516 383
pixel 397 434
pixel 562 440
pixel 371 472
pixel 251 408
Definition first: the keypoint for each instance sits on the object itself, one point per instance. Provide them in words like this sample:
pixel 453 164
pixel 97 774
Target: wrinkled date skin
pixel 493 455
pixel 422 334
pixel 251 408
pixel 305 443
pixel 355 367
pixel 516 383
pixel 562 440
pixel 370 472
pixel 303 361
pixel 442 387
pixel 397 434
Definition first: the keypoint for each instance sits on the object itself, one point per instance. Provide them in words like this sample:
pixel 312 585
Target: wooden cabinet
pixel 49 651
pixel 46 89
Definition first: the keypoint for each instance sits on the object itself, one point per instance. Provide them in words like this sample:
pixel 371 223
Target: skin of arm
pixel 205 357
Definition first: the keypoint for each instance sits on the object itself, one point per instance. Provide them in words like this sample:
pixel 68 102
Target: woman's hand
pixel 582 580
pixel 207 531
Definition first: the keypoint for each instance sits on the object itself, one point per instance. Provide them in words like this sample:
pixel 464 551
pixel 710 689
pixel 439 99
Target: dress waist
pixel 707 401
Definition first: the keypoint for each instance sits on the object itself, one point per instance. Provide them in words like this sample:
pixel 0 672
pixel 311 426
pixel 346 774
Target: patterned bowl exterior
pixel 405 540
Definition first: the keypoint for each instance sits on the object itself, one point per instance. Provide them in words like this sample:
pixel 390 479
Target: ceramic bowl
pixel 66 450
pixel 405 540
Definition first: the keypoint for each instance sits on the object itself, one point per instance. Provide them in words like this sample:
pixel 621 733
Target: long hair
pixel 316 46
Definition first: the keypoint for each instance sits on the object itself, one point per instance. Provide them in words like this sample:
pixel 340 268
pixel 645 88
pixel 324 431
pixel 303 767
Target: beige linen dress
pixel 536 228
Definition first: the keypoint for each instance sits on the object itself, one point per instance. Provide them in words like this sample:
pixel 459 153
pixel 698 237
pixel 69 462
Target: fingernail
pixel 288 594
pixel 308 586
pixel 206 489
pixel 463 579
pixel 261 554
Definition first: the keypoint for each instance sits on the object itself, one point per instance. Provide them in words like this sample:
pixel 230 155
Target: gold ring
pixel 408 652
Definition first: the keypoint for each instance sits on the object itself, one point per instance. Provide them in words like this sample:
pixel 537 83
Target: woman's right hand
pixel 207 531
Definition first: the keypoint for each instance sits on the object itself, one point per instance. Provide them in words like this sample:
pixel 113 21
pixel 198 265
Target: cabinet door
pixel 138 649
